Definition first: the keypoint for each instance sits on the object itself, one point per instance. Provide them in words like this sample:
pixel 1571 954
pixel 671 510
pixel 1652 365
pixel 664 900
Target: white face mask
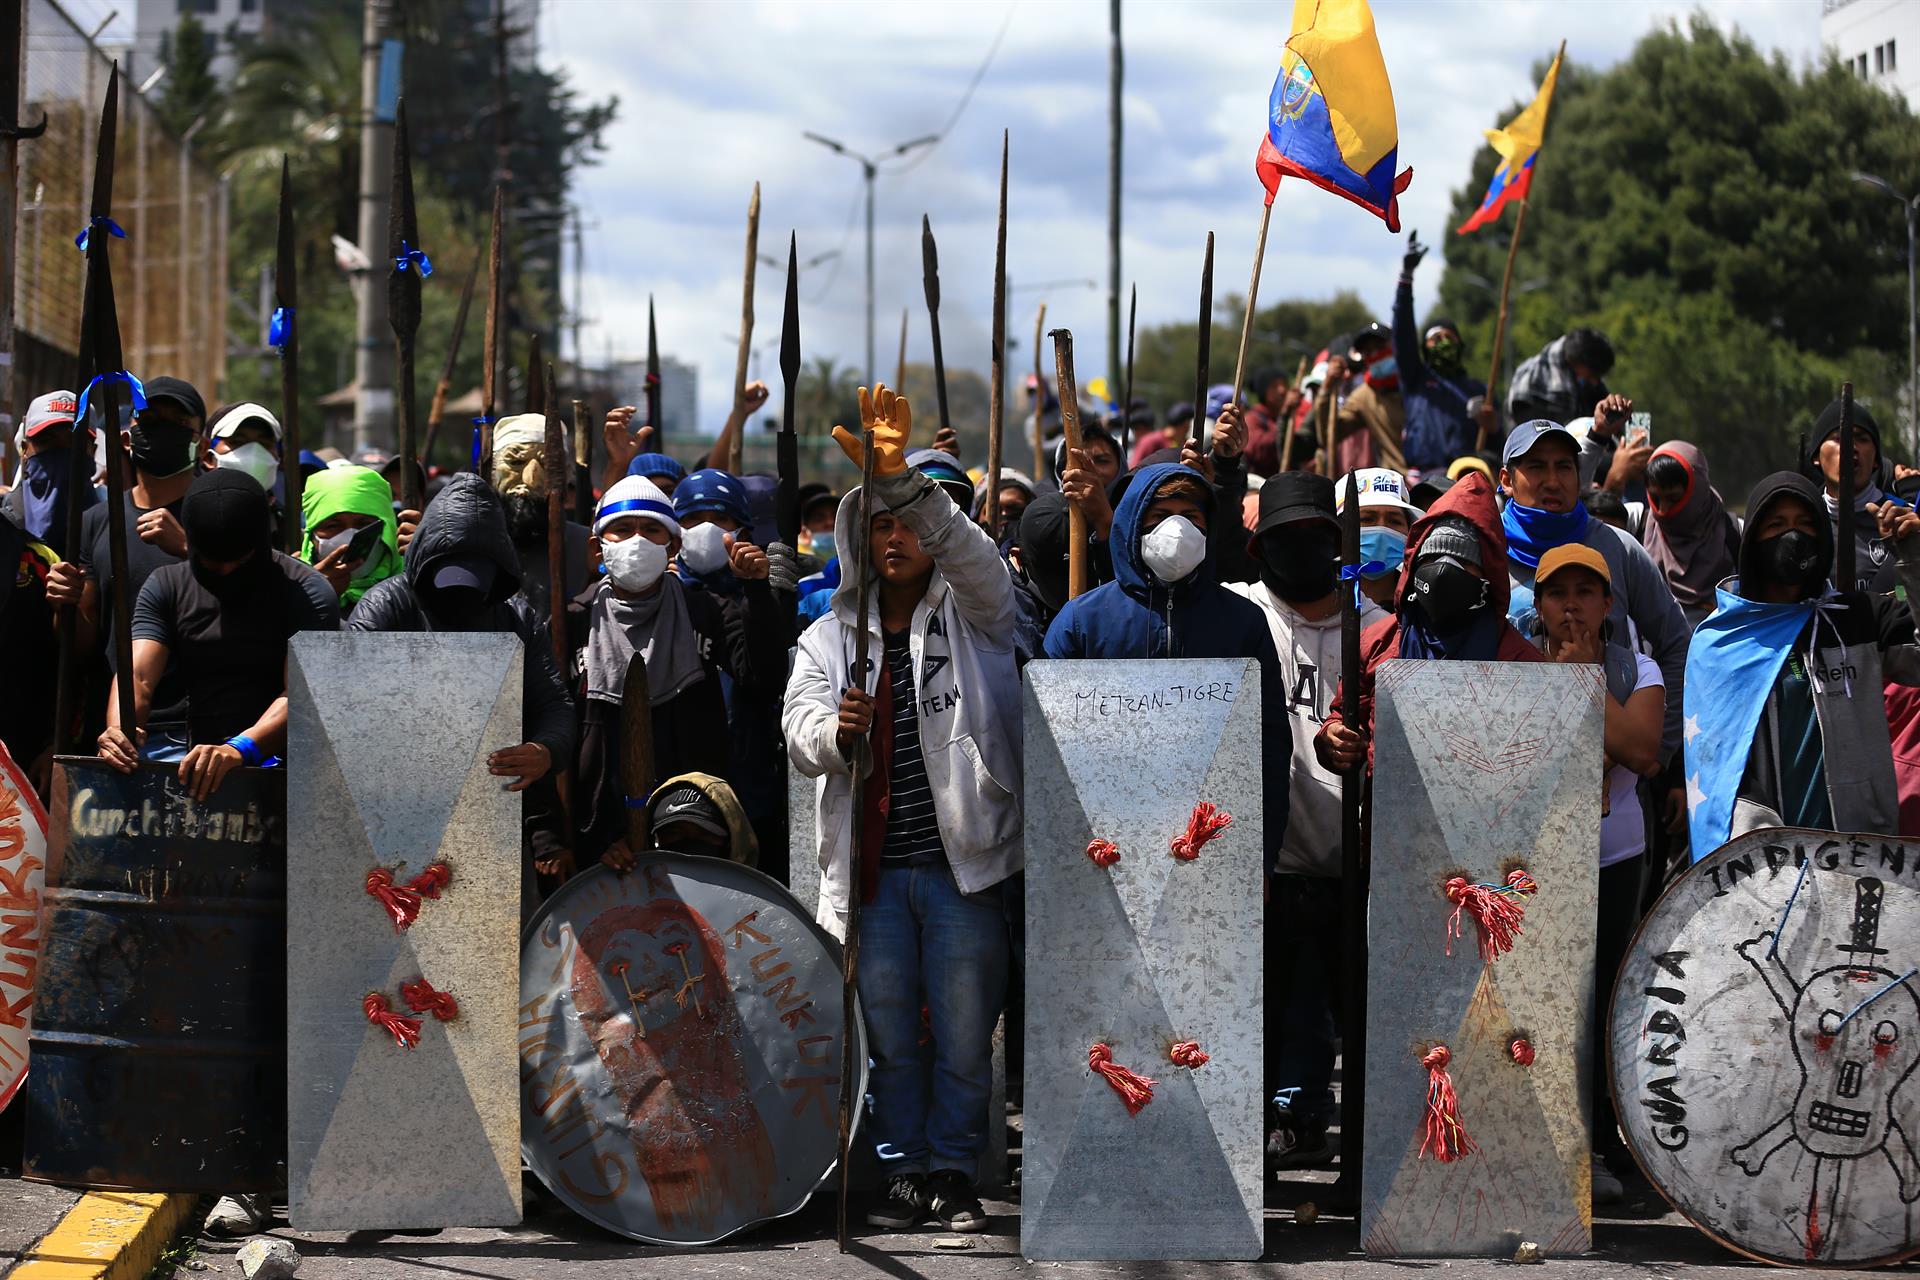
pixel 635 563
pixel 703 549
pixel 254 460
pixel 1173 549
pixel 324 547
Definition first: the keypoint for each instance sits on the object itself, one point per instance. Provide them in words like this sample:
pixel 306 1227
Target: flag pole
pixel 1253 294
pixel 1500 322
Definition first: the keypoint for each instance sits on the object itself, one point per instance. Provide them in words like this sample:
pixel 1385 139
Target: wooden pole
pixel 582 464
pixel 286 291
pixel 1286 428
pixel 1039 405
pixel 1077 576
pixel 1253 294
pixel 856 854
pixel 1353 866
pixel 1206 346
pixel 997 393
pixel 555 465
pixel 732 461
pixel 1500 323
pixel 437 409
pixel 536 377
pixel 403 306
pixel 1849 547
pixel 489 377
pixel 1126 404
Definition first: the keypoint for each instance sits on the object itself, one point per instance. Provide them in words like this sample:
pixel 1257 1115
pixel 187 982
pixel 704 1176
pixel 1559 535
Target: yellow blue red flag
pixel 1330 117
pixel 1518 145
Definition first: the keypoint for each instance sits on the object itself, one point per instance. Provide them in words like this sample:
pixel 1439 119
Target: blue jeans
pixel 1303 958
pixel 924 944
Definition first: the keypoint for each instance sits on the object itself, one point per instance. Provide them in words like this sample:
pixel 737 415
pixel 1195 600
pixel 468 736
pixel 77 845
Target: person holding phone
pixel 351 538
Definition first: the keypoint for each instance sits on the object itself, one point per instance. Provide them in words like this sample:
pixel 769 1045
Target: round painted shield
pixel 23 874
pixel 1764 1031
pixel 680 1048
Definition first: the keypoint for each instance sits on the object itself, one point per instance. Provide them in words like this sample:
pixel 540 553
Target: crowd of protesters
pixel 1538 530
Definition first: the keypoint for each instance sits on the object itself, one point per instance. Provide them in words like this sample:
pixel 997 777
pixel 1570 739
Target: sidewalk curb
pixel 108 1235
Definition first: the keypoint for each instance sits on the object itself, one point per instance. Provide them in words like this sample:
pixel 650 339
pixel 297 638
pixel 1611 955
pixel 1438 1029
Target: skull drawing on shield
pixel 1855 1033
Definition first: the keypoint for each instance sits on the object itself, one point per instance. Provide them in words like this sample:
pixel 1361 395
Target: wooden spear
pixel 1126 405
pixel 100 357
pixel 1844 535
pixel 786 499
pixel 653 381
pixel 489 377
pixel 1286 439
pixel 930 282
pixel 285 296
pixel 732 461
pixel 856 853
pixel 1206 347
pixel 437 408
pixel 997 394
pixel 536 377
pixel 1069 390
pixel 1039 408
pixel 582 464
pixel 900 367
pixel 409 269
pixel 1353 861
pixel 555 465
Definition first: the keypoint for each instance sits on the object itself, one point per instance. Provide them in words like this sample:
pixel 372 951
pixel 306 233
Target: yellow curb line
pixel 108 1235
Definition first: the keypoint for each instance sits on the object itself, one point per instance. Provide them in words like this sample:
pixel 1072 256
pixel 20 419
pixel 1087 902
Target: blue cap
pixel 656 464
pixel 712 490
pixel 1528 434
pixel 1219 396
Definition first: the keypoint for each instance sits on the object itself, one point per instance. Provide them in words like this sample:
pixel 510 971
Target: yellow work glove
pixel 891 421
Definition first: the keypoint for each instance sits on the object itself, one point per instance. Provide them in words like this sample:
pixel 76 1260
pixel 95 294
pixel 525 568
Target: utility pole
pixel 1910 205
pixel 373 419
pixel 1116 76
pixel 869 169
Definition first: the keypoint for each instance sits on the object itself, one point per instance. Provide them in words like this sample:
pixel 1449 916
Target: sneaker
pixel 954 1203
pixel 905 1205
pixel 237 1216
pixel 1289 1148
pixel 1606 1187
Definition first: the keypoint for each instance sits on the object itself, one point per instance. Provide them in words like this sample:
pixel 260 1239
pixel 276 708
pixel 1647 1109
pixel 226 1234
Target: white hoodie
pixel 967 685
pixel 1310 658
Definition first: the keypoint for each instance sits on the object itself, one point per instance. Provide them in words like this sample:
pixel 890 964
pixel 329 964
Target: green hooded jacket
pixel 355 491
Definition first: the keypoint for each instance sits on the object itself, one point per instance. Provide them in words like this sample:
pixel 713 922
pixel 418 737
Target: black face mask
pixel 230 586
pixel 1792 559
pixel 161 448
pixel 526 518
pixel 1299 564
pixel 1445 595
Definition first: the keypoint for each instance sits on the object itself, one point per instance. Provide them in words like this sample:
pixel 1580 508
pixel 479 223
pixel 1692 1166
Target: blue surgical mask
pixel 1388 546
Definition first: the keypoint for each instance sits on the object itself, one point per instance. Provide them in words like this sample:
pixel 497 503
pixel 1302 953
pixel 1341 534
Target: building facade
pixel 1877 40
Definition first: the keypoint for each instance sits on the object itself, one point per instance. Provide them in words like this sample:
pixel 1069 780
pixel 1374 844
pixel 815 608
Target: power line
pixel 941 134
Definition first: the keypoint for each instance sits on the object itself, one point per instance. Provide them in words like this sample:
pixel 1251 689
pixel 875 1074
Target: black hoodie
pixel 466 519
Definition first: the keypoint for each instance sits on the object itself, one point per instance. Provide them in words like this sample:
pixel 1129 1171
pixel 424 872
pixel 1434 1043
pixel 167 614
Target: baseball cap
pixel 235 416
pixel 1290 496
pixel 177 391
pixel 685 803
pixel 945 470
pixel 1379 487
pixel 714 490
pixel 1572 555
pixel 474 571
pixel 54 409
pixel 1523 437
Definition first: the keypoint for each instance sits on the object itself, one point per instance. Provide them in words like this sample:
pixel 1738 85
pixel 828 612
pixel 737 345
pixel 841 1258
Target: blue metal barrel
pixel 159 1022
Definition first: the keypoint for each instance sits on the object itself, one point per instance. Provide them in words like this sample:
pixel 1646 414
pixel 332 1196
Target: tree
pixel 190 90
pixel 1694 203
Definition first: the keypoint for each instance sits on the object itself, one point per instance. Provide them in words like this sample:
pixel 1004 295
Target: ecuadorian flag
pixel 1330 117
pixel 1518 145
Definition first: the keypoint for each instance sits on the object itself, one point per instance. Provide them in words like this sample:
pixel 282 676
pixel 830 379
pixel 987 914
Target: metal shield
pixel 680 1046
pixel 1764 1032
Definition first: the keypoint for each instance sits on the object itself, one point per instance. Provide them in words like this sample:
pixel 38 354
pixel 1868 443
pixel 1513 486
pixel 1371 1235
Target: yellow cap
pixel 1572 555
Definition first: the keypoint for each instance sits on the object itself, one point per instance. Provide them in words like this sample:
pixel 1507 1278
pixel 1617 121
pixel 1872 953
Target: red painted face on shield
pixel 650 987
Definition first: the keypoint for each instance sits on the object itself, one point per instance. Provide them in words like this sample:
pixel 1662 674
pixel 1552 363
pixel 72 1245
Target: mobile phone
pixel 365 543
pixel 1639 428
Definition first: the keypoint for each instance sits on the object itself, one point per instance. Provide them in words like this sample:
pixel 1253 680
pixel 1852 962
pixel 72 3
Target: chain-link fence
pixel 169 273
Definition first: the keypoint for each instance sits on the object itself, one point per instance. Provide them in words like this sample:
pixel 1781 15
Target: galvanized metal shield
pixel 1764 1033
pixel 388 742
pixel 158 1032
pixel 680 1047
pixel 23 875
pixel 1139 955
pixel 1479 768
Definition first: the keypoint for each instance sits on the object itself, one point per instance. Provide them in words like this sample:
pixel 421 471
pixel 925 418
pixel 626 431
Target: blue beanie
pixel 656 464
pixel 712 490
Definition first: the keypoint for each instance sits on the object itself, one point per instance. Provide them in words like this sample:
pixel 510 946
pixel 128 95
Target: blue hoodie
pixel 1137 616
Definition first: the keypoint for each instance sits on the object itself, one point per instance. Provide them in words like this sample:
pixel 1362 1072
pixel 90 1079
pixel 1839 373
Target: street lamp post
pixel 1910 206
pixel 869 169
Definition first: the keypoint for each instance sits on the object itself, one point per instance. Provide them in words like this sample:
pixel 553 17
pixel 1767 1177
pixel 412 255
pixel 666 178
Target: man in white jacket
pixel 1296 548
pixel 940 707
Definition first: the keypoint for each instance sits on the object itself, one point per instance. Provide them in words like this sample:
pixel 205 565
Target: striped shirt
pixel 913 830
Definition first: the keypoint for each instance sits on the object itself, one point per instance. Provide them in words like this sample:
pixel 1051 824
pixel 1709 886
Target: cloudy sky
pixel 716 95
